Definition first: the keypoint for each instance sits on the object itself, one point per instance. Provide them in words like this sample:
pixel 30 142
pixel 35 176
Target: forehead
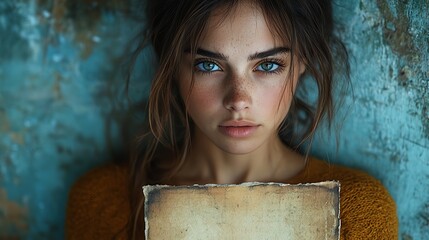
pixel 241 28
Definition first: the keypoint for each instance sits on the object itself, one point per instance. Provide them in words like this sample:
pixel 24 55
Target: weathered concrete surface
pixel 63 107
pixel 385 130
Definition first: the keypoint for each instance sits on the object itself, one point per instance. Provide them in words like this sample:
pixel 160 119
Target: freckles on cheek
pixel 201 98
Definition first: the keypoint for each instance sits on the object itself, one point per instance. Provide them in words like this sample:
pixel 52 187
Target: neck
pixel 271 162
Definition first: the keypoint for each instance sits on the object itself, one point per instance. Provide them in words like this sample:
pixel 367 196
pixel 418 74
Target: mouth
pixel 238 124
pixel 238 129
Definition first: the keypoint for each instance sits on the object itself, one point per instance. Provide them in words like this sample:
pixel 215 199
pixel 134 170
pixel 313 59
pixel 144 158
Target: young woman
pixel 224 108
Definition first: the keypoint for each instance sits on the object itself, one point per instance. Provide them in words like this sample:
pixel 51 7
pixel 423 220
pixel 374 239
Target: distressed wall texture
pixel 386 125
pixel 63 108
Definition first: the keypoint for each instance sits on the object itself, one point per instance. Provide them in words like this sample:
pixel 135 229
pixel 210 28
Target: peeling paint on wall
pixel 396 29
pixel 63 107
pixel 386 129
pixel 402 37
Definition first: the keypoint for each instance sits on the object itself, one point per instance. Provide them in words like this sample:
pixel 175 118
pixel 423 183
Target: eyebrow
pixel 270 52
pixel 258 55
pixel 210 54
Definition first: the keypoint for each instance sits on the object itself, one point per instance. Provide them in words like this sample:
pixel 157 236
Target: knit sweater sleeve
pixel 367 209
pixel 98 206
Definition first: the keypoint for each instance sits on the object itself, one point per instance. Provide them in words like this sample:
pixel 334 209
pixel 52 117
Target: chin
pixel 238 148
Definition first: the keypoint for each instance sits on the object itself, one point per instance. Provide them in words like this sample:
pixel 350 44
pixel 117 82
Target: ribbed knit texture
pixel 98 205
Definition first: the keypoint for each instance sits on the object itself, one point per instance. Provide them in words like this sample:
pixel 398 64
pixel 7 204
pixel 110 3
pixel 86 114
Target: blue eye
pixel 207 66
pixel 267 67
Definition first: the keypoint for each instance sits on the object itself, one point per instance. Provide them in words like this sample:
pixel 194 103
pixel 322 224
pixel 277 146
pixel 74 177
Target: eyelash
pixel 277 61
pixel 203 60
pixel 281 65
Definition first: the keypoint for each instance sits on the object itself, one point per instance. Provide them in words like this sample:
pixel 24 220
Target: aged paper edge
pixel 325 184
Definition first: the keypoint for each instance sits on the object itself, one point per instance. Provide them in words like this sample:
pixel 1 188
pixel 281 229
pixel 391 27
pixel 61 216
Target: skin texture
pixel 238 100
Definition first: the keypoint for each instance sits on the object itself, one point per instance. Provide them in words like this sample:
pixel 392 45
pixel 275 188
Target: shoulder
pixel 98 203
pixel 367 209
pixel 108 182
pixel 100 178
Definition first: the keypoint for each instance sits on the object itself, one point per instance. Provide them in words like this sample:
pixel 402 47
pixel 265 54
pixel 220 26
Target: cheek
pixel 277 101
pixel 200 99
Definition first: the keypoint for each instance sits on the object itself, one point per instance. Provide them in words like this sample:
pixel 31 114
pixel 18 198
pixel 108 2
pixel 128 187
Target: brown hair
pixel 175 26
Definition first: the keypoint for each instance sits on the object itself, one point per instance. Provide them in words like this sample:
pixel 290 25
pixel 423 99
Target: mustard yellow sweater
pixel 98 206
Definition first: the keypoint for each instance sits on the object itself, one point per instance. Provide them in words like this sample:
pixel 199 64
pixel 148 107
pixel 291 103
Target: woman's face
pixel 242 88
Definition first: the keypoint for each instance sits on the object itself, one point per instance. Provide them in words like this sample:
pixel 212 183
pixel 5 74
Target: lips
pixel 238 129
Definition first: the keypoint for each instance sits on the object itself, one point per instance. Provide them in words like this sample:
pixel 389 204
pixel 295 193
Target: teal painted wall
pixel 385 129
pixel 64 110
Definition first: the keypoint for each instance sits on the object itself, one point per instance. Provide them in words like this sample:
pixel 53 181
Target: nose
pixel 238 96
